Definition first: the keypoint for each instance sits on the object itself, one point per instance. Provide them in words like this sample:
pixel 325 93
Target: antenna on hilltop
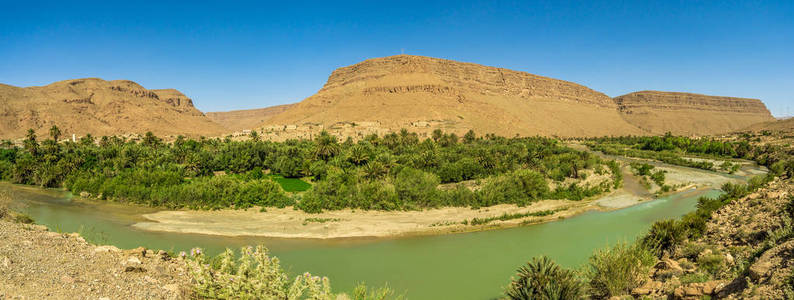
pixel 402 51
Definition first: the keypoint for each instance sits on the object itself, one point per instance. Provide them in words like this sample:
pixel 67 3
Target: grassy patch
pixel 506 216
pixel 291 184
pixel 319 220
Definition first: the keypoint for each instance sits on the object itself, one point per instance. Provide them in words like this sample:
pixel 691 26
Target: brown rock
pixel 104 108
pixel 687 114
pixel 134 269
pixel 423 93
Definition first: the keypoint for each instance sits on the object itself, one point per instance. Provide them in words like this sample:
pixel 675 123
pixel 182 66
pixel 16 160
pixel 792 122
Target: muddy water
pixel 456 266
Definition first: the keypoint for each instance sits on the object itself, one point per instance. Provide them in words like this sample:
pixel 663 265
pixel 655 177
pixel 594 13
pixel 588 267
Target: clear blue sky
pixel 248 55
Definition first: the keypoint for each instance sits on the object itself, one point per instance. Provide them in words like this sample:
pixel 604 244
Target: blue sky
pixel 255 54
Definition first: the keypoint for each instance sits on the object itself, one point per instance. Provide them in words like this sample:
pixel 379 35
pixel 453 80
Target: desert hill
pixel 100 107
pixel 238 120
pixel 783 125
pixel 422 94
pixel 690 114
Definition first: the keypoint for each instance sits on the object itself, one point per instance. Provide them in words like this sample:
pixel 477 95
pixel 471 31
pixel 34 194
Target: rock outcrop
pixel 422 94
pixel 100 107
pixel 238 120
pixel 690 114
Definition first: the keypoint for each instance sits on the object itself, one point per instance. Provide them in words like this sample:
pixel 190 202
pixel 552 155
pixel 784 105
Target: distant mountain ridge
pixel 379 96
pixel 690 114
pixel 422 94
pixel 238 120
pixel 99 107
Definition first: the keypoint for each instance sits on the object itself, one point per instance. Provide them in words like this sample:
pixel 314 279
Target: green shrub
pixel 664 236
pixel 542 279
pixel 713 263
pixel 616 271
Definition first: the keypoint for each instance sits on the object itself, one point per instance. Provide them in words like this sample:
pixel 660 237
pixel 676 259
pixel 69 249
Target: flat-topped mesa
pixel 690 114
pixel 99 107
pixel 422 94
pixel 455 77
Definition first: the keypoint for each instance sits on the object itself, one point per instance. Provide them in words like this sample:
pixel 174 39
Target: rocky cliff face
pixel 100 107
pixel 690 114
pixel 422 94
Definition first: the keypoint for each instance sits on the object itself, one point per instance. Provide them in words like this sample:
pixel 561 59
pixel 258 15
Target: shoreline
pixel 344 224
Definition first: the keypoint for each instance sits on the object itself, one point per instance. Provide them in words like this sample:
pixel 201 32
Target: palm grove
pixel 398 171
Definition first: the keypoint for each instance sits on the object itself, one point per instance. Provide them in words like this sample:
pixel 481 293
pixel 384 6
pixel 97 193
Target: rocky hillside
pixel 422 94
pixel 690 114
pixel 784 125
pixel 238 120
pixel 100 107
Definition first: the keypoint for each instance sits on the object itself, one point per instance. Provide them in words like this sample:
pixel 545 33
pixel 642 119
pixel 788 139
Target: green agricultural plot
pixel 291 184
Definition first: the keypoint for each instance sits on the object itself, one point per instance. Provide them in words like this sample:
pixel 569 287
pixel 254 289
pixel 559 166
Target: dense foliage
pixel 395 171
pixel 673 149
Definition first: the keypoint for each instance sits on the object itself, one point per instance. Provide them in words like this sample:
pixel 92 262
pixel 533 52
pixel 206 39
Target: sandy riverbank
pixel 291 223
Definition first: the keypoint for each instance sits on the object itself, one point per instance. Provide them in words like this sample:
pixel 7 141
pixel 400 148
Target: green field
pixel 291 184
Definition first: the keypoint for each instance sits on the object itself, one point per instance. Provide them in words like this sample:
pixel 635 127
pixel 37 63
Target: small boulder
pixel 85 194
pixel 134 269
pixel 67 279
pixel 133 260
pixel 106 249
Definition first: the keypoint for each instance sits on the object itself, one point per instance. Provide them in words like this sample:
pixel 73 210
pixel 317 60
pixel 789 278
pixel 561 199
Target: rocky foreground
pixel 747 252
pixel 39 264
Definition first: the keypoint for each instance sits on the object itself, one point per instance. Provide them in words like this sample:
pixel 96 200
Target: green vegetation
pixel 616 271
pixel 257 275
pixel 397 171
pixel 506 216
pixel 541 278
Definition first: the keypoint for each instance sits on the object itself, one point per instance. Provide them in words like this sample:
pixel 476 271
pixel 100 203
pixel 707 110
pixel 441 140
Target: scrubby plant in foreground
pixel 542 279
pixel 257 275
pixel 617 270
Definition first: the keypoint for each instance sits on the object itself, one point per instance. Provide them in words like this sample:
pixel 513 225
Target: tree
pixel 469 137
pixel 326 146
pixel 437 135
pixel 30 143
pixel 55 133
pixel 150 139
pixel 254 135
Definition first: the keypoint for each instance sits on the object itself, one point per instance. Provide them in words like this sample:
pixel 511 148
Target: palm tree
pixel 359 155
pixel 30 143
pixel 327 146
pixel 55 132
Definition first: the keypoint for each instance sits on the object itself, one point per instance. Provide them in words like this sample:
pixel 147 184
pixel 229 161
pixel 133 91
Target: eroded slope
pixel 100 107
pixel 422 94
pixel 690 114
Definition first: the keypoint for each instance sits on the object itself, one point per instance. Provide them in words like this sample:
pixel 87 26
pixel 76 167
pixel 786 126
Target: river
pixel 474 265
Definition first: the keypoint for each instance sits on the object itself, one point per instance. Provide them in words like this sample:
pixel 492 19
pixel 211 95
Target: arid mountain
pixel 783 125
pixel 100 107
pixel 237 120
pixel 690 114
pixel 422 94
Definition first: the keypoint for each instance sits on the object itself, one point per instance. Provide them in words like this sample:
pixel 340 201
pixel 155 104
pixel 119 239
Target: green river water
pixel 473 265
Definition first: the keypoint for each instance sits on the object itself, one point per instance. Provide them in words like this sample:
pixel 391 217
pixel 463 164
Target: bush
pixel 541 278
pixel 616 271
pixel 257 275
pixel 664 236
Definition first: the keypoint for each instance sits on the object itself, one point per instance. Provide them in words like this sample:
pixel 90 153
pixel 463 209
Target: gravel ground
pixel 38 264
